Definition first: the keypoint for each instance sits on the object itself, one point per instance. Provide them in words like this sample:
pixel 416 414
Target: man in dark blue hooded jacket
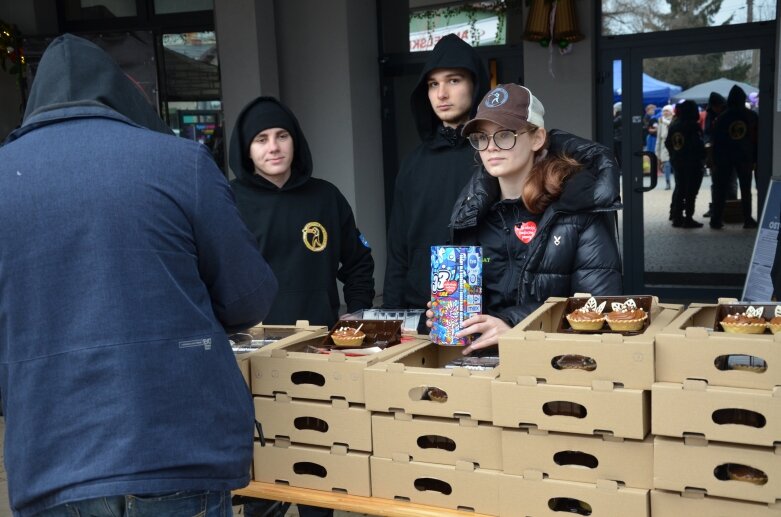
pixel 452 82
pixel 123 264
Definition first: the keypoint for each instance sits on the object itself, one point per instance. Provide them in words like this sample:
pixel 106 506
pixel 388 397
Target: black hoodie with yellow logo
pixel 305 229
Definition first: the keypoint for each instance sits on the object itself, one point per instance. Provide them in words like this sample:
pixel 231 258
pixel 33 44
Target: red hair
pixel 546 179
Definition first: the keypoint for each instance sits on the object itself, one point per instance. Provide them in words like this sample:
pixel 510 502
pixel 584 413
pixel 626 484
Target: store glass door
pixel 687 261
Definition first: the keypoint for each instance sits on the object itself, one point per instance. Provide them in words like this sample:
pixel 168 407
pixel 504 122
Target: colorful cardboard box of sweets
pixel 456 291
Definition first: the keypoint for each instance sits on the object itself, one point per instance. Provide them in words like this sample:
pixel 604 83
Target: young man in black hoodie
pixel 453 81
pixel 304 226
pixel 734 147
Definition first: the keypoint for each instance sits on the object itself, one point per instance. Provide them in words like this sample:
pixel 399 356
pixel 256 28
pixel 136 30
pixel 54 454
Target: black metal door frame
pixel 632 50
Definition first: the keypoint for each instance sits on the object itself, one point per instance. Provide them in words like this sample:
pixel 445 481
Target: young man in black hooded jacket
pixel 453 81
pixel 304 226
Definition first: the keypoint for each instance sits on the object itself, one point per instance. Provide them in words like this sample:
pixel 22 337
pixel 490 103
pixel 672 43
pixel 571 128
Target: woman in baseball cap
pixel 542 204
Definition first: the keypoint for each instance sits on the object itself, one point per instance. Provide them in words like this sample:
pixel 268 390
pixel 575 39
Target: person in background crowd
pixel 303 225
pixel 542 206
pixel 123 266
pixel 663 126
pixel 734 147
pixel 716 105
pixel 649 127
pixel 687 155
pixel 453 80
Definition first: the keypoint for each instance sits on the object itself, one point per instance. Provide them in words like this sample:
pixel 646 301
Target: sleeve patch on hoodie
pixel 364 241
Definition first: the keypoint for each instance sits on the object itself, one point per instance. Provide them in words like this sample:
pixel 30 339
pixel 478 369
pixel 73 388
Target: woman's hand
pixel 489 327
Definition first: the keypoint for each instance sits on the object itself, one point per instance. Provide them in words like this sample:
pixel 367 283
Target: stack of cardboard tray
pixel 250 342
pixel 432 435
pixel 575 412
pixel 309 398
pixel 717 416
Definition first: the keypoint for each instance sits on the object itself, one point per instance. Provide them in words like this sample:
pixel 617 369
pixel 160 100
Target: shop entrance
pixel 645 72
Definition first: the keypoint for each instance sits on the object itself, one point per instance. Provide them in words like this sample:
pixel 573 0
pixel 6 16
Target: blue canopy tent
pixel 654 91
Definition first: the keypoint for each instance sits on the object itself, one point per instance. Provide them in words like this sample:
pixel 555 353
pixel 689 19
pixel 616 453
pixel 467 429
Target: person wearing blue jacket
pixel 123 264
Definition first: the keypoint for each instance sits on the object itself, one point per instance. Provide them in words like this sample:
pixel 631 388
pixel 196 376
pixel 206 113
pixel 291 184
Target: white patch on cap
pixel 536 111
pixel 496 97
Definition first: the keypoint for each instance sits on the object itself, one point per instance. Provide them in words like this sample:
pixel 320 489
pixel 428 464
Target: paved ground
pixel 681 250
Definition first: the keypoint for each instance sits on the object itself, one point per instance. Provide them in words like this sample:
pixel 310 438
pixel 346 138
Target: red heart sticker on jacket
pixel 526 231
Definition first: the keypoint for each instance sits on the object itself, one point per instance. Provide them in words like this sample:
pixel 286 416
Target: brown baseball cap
pixel 509 105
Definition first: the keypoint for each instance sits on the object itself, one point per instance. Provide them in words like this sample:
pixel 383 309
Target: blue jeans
pixel 667 169
pixel 177 504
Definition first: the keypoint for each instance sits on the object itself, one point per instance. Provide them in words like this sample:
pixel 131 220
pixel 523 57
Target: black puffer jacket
pixel 575 248
pixel 429 181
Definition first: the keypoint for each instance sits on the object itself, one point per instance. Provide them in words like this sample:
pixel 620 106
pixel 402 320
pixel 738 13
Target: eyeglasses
pixel 504 139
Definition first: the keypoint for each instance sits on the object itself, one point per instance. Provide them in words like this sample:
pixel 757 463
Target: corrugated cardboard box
pixel 315 423
pixel 572 457
pixel 736 415
pixel 460 487
pixel 673 504
pixel 536 345
pixel 275 335
pixel 299 373
pixel 689 348
pixel 536 496
pixel 437 440
pixel 319 468
pixel 710 467
pixel 418 383
pixel 600 409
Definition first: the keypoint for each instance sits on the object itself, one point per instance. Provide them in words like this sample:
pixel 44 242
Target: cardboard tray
pixel 725 309
pixel 574 303
pixel 689 348
pixel 379 333
pixel 533 348
pixel 673 504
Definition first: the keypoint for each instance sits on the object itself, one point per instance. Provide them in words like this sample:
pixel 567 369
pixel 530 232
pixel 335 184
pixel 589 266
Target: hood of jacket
pixel 450 52
pixel 74 72
pixel 261 114
pixel 736 98
pixel 716 100
pixel 594 188
pixel 687 111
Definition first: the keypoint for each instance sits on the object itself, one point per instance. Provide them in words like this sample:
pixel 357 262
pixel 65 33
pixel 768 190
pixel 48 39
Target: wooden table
pixel 349 503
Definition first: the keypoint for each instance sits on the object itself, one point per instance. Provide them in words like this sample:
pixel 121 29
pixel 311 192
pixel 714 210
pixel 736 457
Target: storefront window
pixel 477 23
pixel 192 89
pixel 641 16
pixel 99 9
pixel 182 6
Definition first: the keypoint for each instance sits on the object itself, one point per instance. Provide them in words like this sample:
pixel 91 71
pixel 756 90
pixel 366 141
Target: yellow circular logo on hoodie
pixel 314 235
